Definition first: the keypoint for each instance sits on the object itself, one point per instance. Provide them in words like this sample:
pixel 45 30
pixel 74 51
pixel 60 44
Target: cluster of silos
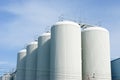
pixel 6 76
pixel 26 62
pixel 67 53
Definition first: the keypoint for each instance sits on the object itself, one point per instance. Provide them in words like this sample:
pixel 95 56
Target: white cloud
pixel 32 20
pixel 3 62
pixel 34 16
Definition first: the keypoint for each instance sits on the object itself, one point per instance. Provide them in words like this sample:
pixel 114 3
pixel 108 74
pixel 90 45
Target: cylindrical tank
pixel 65 51
pixel 6 77
pixel 31 61
pixel 43 57
pixel 95 54
pixel 115 69
pixel 21 58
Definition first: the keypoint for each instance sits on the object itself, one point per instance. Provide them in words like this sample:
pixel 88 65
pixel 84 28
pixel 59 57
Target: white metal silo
pixel 65 51
pixel 43 57
pixel 21 57
pixel 96 54
pixel 31 61
pixel 6 76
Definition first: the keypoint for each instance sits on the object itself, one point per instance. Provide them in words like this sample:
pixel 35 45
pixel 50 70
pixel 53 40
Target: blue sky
pixel 22 21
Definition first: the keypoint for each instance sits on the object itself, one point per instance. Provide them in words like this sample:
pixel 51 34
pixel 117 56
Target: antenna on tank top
pixel 83 26
pixel 61 17
pixel 47 29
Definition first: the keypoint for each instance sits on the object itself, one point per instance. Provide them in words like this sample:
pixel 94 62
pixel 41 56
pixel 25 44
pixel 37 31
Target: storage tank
pixel 65 51
pixel 43 57
pixel 31 61
pixel 96 54
pixel 115 69
pixel 21 58
pixel 6 76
